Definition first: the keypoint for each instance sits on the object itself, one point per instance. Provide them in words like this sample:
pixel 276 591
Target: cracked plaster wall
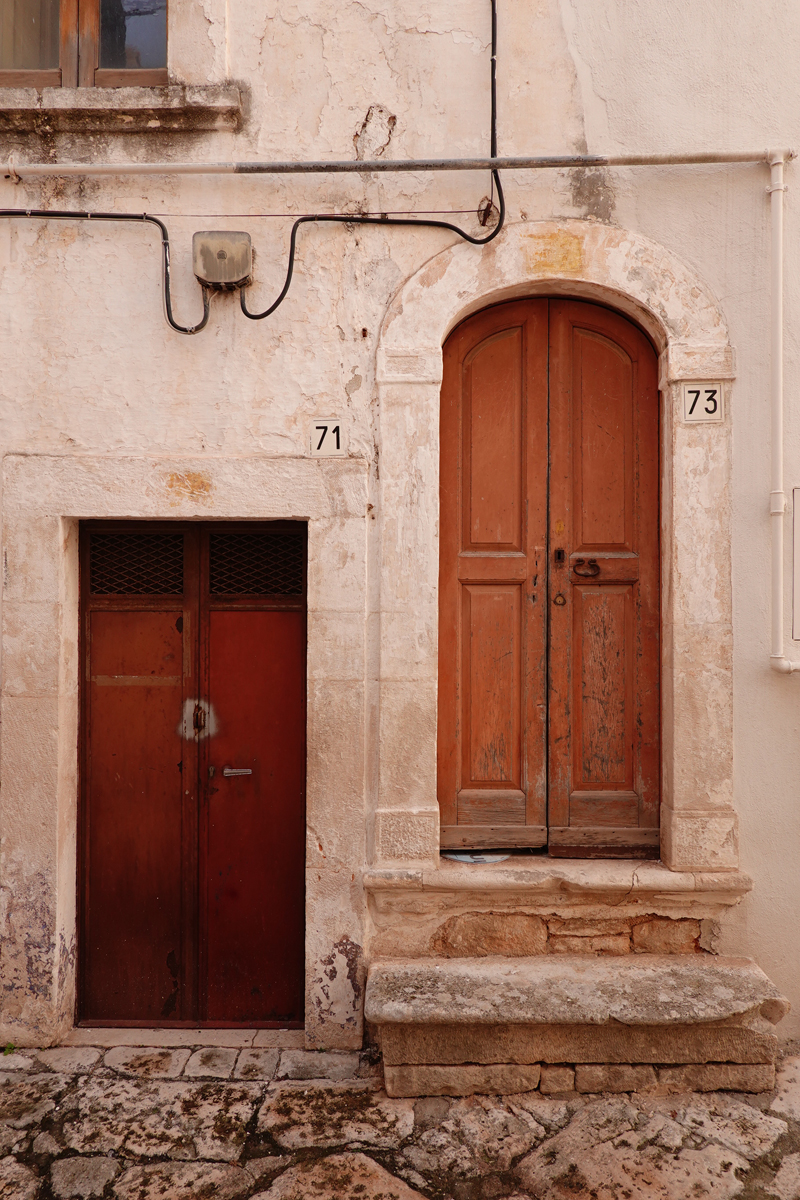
pixel 91 370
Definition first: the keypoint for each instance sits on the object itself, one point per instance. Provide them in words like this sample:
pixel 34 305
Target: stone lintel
pixel 570 989
pixel 525 1044
pixel 564 880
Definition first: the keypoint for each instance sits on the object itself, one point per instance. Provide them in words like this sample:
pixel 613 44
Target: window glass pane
pixel 133 34
pixel 28 34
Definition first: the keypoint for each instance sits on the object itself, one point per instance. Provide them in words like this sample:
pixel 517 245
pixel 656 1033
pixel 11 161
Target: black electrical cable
pixel 341 219
pixel 140 217
pixel 357 220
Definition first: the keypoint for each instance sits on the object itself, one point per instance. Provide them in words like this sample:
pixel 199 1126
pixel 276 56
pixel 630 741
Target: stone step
pixel 459 1026
pixel 570 989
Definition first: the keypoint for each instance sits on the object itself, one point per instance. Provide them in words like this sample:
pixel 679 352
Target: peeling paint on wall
pixel 338 986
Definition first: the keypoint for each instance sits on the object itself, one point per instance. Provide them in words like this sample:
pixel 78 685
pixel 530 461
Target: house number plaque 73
pixel 703 402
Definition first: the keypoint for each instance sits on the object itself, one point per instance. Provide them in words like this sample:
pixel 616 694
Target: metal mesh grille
pixel 136 564
pixel 256 564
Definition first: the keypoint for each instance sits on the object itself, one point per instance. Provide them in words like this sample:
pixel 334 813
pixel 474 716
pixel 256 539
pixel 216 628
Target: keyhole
pixel 560 556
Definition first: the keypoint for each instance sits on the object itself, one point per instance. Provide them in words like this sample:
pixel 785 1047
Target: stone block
pixel 18 1181
pixel 337 564
pixel 342 1175
pixel 150 1062
pixel 607 943
pixel 264 1169
pixel 82 1177
pixel 69 1059
pixel 302 1115
pixel 183 1181
pixel 318 1064
pixel 437 1080
pixel 718 1077
pixel 336 645
pixel 787 1084
pixel 635 989
pixel 556 1079
pixel 15 1062
pixel 576 1043
pixel 25 1098
pixel 140 1118
pixel 699 841
pixel 786 1184
pixel 46 1145
pixel 645 1149
pixel 213 1062
pixel 31 643
pixel 257 1064
pixel 588 927
pixel 479 934
pixel 407 769
pixel 614 1077
pixel 660 935
pixel 403 835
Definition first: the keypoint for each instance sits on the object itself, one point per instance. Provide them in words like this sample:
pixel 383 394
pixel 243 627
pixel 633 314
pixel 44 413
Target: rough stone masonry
pixel 196 1123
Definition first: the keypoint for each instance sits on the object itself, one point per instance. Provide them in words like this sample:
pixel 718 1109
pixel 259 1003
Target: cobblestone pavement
pixel 219 1123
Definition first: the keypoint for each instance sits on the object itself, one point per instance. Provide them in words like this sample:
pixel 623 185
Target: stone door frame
pixel 44 499
pixel 649 284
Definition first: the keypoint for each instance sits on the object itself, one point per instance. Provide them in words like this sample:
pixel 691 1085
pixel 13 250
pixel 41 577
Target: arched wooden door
pixel 549 582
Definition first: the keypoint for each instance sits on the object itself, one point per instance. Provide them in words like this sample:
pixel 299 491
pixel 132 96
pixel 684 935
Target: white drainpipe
pixel 777 496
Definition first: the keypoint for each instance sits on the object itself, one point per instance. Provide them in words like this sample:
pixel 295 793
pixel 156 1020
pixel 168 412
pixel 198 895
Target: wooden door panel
pixel 493 453
pixel 602 730
pixel 602 444
pixel 491 714
pixel 255 834
pixel 491 778
pixel 486 807
pixel 604 603
pixel 132 952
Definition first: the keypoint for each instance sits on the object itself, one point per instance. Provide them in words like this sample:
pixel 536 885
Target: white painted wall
pixel 721 77
pixel 90 367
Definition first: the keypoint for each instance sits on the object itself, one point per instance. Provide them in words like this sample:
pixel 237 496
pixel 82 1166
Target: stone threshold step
pixel 570 989
pixel 278 1039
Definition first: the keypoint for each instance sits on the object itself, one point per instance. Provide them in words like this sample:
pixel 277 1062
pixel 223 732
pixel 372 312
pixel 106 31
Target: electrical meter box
pixel 222 261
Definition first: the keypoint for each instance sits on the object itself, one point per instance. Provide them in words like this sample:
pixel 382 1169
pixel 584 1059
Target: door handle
pixel 592 568
pixel 228 771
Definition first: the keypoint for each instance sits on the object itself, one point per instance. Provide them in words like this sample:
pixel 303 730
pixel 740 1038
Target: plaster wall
pixel 105 412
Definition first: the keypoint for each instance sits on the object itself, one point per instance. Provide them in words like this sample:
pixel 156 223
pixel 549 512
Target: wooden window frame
pixel 79 51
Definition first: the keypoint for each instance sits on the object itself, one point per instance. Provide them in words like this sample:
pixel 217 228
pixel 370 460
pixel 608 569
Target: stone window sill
pixel 579 881
pixel 175 108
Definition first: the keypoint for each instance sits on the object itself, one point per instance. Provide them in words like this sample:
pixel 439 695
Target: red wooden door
pixel 193 774
pixel 255 833
pixel 549 577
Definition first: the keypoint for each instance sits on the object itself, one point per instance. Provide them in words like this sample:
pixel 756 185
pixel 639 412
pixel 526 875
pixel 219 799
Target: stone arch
pixel 650 284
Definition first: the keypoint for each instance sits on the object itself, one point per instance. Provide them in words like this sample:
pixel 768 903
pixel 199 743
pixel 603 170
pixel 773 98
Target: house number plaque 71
pixel 328 438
